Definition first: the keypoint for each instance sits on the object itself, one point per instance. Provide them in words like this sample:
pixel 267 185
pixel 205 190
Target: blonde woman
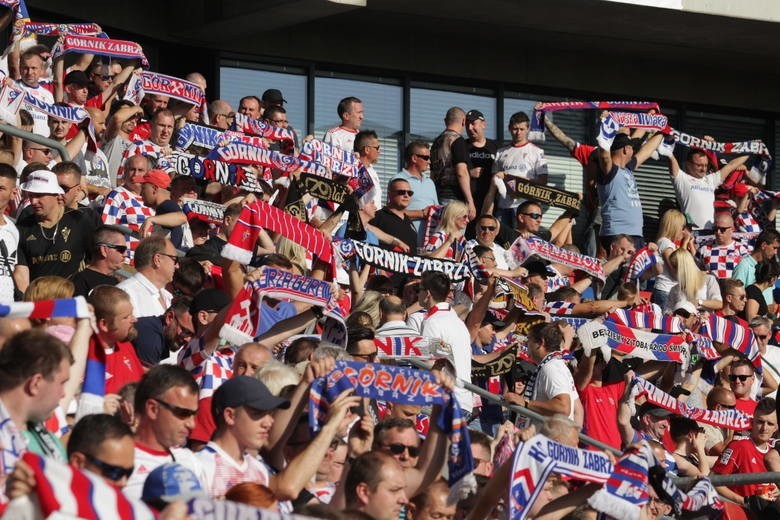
pixel 671 233
pixel 693 285
pixel 448 240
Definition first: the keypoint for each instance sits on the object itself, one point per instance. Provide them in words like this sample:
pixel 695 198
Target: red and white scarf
pixel 524 248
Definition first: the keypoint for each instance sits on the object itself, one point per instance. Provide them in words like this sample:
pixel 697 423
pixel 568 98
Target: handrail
pixel 35 138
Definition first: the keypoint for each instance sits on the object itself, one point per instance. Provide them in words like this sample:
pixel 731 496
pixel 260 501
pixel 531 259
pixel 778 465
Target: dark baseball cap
pixel 78 77
pixel 537 267
pixel 473 115
pixel 246 391
pixel 210 300
pixel 653 410
pixel 273 95
pixel 621 140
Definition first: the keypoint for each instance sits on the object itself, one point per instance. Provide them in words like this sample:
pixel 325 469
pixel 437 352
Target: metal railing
pixel 35 138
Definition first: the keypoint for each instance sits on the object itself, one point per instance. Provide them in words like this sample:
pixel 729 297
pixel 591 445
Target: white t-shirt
pixel 223 472
pixel 375 192
pixel 709 291
pixel 772 358
pixel 341 137
pixel 443 323
pixel 554 379
pixel 697 197
pixel 498 252
pixel 525 161
pixel 9 241
pixel 41 120
pixel 147 459
pixel 664 281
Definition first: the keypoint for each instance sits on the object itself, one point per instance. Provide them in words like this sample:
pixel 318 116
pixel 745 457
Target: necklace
pixel 56 228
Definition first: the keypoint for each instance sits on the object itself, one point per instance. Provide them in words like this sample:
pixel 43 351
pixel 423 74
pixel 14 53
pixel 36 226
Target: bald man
pixel 219 111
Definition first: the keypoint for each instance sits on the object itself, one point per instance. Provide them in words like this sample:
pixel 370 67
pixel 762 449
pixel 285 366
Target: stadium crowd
pixel 203 307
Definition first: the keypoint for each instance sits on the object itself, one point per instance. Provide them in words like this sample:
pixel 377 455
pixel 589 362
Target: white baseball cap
pixel 43 181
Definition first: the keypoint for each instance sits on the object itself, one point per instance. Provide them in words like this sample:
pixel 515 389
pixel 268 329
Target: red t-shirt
pixel 601 405
pixel 141 133
pixel 747 406
pixel 741 456
pixel 582 153
pixel 204 421
pixel 122 365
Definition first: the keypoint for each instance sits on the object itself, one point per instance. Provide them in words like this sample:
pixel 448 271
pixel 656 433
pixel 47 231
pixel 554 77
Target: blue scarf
pixel 405 386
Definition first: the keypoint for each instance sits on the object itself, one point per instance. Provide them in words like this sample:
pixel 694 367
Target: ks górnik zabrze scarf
pixel 537 119
pixel 405 386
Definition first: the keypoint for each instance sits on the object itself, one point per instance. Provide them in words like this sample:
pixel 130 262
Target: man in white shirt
pixel 350 111
pixel 487 231
pixel 155 262
pixel 367 149
pixel 166 402
pixel 32 68
pixel 392 314
pixel 9 235
pixel 442 322
pixel 695 187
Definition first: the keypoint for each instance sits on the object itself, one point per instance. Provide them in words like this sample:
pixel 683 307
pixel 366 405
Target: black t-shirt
pixel 460 154
pixel 176 232
pixel 754 293
pixel 393 225
pixel 88 279
pixel 58 250
pixel 481 157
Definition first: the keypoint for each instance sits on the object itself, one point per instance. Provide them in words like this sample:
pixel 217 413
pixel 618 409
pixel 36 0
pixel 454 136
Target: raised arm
pixel 559 134
pixel 732 165
pixel 648 148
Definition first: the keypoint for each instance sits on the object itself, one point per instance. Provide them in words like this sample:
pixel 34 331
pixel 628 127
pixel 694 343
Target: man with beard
pixel 158 336
pixel 115 330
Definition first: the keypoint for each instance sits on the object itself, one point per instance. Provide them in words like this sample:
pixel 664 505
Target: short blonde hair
pixel 49 288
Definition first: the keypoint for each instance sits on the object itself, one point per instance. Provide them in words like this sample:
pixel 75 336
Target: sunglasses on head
pixel 109 471
pixel 178 411
pixel 398 448
pixel 741 377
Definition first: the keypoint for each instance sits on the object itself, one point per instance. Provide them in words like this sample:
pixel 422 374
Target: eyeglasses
pixel 366 357
pixel 45 151
pixel 487 228
pixel 535 216
pixel 119 249
pixel 107 77
pixel 423 157
pixel 172 257
pixel 722 229
pixel 742 377
pixel 404 192
pixel 185 332
pixel 377 147
pixel 398 448
pixel 109 471
pixel 178 411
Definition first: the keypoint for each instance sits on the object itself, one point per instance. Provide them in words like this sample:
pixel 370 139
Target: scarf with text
pixel 403 386
pixel 211 212
pixel 243 153
pixel 732 419
pixel 246 125
pixel 58 29
pixel 537 119
pixel 646 320
pixel 208 137
pixel 11 100
pixel 609 336
pixel 75 115
pixel 66 492
pixel 243 317
pixel 503 364
pixel 323 188
pixel 101 46
pixel 642 260
pixel 336 160
pixel 259 215
pixel 547 195
pixel 406 346
pixel 641 120
pixel 524 248
pixel 399 262
pixel 45 309
pixel 538 457
pixel 176 88
pixel 626 489
pixel 203 168
pixel 203 508
pixel 755 146
pixel 519 292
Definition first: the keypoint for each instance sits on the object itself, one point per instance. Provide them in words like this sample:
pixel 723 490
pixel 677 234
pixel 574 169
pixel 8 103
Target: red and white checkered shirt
pixel 720 261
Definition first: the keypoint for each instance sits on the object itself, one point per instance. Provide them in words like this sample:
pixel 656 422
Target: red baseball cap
pixel 157 177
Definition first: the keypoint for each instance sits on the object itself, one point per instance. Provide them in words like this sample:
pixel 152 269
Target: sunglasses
pixel 535 216
pixel 178 411
pixel 109 471
pixel 367 357
pixel 66 189
pixel 398 448
pixel 762 337
pixel 119 249
pixel 423 157
pixel 487 228
pixel 741 377
pixel 722 229
pixel 728 406
pixel 404 192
